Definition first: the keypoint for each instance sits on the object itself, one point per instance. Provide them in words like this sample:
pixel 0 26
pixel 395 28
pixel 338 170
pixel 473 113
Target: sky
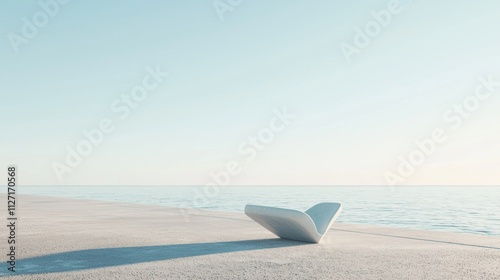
pixel 250 92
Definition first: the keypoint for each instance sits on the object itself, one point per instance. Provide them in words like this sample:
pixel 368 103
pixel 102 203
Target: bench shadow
pixel 108 257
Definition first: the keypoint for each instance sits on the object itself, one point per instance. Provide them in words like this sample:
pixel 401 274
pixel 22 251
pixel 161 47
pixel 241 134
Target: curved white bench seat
pixel 310 226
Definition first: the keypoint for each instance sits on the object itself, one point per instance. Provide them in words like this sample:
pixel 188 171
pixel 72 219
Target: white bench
pixel 310 226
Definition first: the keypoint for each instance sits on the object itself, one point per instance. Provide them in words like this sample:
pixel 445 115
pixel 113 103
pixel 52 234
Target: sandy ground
pixel 59 238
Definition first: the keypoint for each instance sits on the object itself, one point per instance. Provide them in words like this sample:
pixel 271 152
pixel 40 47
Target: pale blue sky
pixel 353 119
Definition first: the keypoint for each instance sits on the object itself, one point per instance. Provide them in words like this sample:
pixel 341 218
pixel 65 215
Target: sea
pixel 465 209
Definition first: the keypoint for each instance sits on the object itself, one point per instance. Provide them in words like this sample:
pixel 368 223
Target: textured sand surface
pixel 61 238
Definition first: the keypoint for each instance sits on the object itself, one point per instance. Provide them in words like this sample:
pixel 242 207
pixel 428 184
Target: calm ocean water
pixel 456 209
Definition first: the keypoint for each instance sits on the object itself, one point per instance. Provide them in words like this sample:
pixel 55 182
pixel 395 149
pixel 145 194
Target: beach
pixel 63 238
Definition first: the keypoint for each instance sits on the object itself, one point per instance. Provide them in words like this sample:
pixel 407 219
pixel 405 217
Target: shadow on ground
pixel 107 257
